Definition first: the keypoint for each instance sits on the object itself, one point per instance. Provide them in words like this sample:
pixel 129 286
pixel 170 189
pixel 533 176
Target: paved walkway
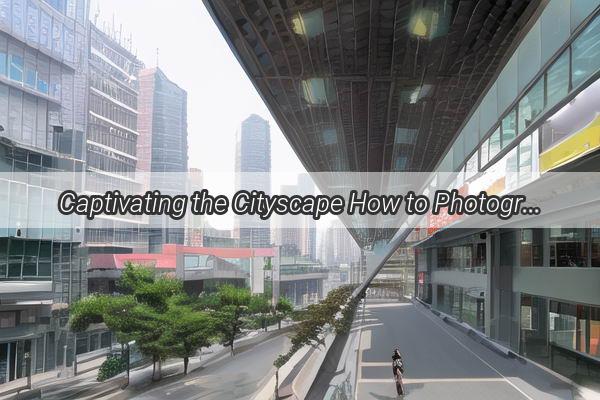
pixel 442 362
pixel 85 386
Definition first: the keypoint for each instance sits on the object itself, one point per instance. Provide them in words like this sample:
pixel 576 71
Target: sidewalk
pixel 50 386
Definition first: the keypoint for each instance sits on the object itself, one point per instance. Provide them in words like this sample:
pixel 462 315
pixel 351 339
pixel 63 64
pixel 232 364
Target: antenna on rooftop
pixel 157 57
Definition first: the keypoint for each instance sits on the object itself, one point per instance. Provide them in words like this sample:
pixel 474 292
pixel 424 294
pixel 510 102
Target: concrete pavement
pixel 237 377
pixel 442 362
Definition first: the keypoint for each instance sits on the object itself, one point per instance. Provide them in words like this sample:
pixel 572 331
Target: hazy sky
pixel 193 54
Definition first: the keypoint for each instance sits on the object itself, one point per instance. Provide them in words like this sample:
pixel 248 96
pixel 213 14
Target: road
pixel 441 362
pixel 228 379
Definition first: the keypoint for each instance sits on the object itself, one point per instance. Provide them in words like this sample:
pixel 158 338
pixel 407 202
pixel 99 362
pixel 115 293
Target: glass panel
pixel 529 55
pixel 568 247
pixel 44 269
pixel 557 80
pixel 3 60
pixel 525 159
pixel 595 247
pixel 563 325
pixel 531 105
pixel 105 340
pixel 43 67
pixel 191 261
pixel 29 269
pixel 494 143
pixel 576 116
pixel 532 248
pixel 14 270
pixel 534 328
pixel 471 167
pixel 509 131
pixel 554 29
pixel 586 53
pixel 16 68
pixel 484 152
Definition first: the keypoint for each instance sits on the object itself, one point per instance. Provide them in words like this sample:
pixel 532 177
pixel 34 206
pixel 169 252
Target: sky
pixel 193 53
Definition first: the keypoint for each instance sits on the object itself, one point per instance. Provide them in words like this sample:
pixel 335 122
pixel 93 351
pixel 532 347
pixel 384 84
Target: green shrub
pixel 113 365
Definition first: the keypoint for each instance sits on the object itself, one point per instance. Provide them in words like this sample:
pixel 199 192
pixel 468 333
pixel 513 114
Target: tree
pixel 231 304
pixel 189 329
pixel 283 309
pixel 336 310
pixel 136 315
pixel 260 307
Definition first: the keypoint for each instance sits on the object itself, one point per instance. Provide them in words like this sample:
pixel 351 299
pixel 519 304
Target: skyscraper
pixel 112 139
pixel 296 234
pixel 253 172
pixel 162 146
pixel 43 86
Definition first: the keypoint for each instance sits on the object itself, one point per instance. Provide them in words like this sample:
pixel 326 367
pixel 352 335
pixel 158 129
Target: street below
pixel 441 362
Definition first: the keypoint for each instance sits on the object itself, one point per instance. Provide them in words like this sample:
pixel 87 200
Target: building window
pixel 509 128
pixel 557 80
pixel 494 144
pixel 595 233
pixel 534 328
pixel 485 152
pixel 8 319
pixel 568 247
pixel 532 248
pixel 3 60
pixel 16 68
pixel 531 105
pixel 567 325
pixel 586 53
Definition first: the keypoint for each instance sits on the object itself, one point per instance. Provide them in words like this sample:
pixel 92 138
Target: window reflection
pixel 509 128
pixel 308 24
pixel 318 91
pixel 568 247
pixel 557 80
pixel 532 248
pixel 586 53
pixel 16 68
pixel 567 325
pixel 595 238
pixel 531 105
pixel 575 116
pixel 494 144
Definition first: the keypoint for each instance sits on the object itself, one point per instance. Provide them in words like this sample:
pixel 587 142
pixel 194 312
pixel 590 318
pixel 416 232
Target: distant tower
pixel 253 172
pixel 162 146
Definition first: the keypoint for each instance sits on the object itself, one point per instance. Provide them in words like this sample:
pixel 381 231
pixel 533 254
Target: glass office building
pixel 535 291
pixel 43 86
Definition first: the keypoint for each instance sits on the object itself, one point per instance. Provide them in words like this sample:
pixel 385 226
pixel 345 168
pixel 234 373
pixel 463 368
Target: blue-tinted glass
pixel 586 53
pixel 557 80
pixel 42 86
pixel 494 143
pixel 16 68
pixel 30 77
pixel 509 131
pixel 531 105
pixel 3 60
pixel 400 164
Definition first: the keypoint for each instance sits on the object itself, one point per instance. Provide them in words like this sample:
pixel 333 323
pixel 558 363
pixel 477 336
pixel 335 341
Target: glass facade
pixel 468 257
pixel 43 70
pixel 466 305
pixel 563 336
